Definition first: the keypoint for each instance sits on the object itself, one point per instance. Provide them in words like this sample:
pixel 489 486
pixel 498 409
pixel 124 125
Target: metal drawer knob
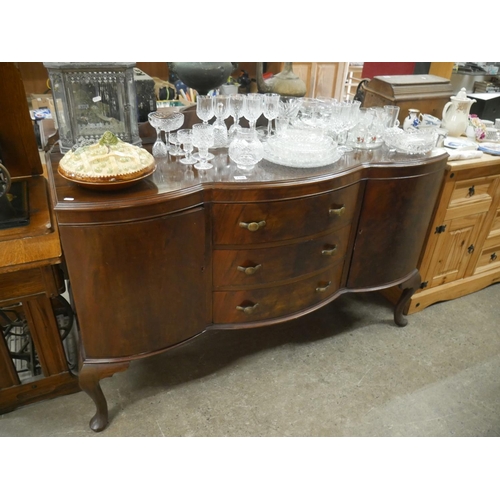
pixel 249 270
pixel 247 309
pixel 329 251
pixel 323 288
pixel 337 212
pixel 493 256
pixel 252 226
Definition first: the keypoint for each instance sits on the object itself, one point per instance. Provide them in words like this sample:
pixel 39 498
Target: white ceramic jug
pixel 456 113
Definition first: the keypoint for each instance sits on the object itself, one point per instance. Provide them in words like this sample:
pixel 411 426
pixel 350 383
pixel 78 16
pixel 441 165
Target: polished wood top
pixel 37 243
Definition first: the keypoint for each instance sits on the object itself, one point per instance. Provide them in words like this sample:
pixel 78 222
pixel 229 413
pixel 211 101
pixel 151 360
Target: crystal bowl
pixel 411 141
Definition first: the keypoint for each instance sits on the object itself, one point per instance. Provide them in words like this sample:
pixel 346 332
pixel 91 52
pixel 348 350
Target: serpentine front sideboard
pixel 187 251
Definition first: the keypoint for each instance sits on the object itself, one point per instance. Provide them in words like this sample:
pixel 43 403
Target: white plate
pixel 459 143
pixel 492 148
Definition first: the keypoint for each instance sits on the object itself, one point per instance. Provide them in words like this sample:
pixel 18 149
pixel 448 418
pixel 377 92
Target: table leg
pixel 409 287
pixel 88 377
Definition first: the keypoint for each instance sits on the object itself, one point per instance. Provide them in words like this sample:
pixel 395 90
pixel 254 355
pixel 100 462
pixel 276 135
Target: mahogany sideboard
pixel 187 251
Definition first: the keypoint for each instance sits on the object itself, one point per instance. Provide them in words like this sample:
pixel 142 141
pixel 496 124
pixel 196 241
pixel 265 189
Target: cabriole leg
pixel 89 376
pixel 409 287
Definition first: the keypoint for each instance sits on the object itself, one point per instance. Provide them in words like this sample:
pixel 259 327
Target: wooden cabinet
pixel 325 79
pixel 187 251
pixel 461 253
pixel 30 275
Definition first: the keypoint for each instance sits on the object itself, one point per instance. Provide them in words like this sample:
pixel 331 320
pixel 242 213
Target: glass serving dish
pixel 411 141
pixel 301 148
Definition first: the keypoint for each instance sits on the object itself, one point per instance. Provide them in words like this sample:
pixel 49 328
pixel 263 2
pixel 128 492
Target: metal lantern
pixel 91 98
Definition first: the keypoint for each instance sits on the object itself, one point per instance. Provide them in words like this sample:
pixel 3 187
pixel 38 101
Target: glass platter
pixel 108 186
pixel 300 148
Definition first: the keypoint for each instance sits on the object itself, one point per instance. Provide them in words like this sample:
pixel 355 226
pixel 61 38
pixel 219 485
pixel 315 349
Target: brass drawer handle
pixel 493 256
pixel 249 270
pixel 330 251
pixel 247 309
pixel 323 288
pixel 337 212
pixel 253 226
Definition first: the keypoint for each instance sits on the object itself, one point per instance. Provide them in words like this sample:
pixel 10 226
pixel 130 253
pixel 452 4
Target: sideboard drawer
pixel 243 306
pixel 489 258
pixel 241 224
pixel 258 266
pixel 472 196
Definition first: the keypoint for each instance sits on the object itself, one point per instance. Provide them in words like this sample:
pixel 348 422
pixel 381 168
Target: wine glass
pixel 203 138
pixel 221 111
pixel 205 107
pixel 160 149
pixel 185 137
pixel 271 110
pixel 175 149
pixel 289 107
pixel 253 108
pixel 349 119
pixel 236 109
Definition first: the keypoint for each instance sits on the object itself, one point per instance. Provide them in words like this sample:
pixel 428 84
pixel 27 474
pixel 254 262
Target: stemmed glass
pixel 351 119
pixel 203 138
pixel 205 107
pixel 175 149
pixel 271 110
pixel 221 111
pixel 289 107
pixel 170 122
pixel 236 109
pixel 185 137
pixel 253 108
pixel 160 149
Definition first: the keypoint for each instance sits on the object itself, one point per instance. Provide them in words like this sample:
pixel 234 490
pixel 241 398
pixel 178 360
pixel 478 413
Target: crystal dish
pixel 301 148
pixel 412 141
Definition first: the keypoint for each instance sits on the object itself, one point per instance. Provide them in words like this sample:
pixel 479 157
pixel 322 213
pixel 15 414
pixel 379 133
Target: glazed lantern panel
pixel 93 98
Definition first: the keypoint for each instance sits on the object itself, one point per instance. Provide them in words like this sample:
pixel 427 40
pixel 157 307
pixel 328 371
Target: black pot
pixel 203 76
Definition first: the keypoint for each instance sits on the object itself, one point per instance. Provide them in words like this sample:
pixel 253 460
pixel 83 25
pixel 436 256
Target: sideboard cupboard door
pixel 135 287
pixel 392 228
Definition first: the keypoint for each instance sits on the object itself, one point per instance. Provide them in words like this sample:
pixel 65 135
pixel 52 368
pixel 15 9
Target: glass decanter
pixel 221 111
